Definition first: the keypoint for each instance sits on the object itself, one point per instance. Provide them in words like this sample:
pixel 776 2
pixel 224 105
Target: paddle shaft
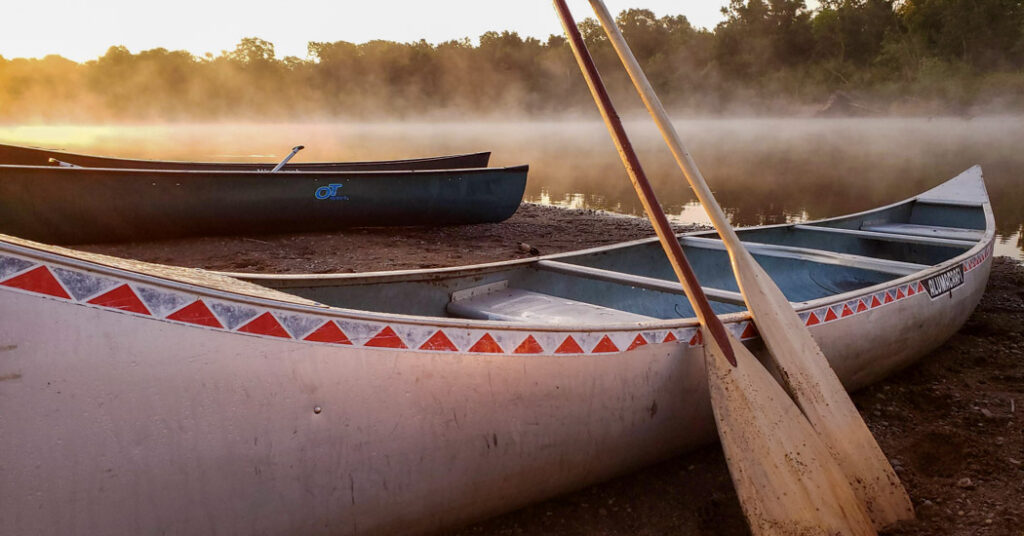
pixel 669 242
pixel 295 149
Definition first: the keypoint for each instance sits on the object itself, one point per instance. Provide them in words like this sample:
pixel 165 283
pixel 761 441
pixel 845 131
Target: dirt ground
pixel 533 230
pixel 952 424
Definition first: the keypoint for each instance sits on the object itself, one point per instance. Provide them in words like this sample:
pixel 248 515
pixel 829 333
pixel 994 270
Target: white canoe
pixel 139 399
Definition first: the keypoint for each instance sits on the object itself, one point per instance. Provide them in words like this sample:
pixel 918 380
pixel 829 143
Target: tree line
pixel 767 56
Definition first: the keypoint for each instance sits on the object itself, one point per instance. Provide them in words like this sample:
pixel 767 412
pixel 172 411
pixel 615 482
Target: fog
pixel 762 170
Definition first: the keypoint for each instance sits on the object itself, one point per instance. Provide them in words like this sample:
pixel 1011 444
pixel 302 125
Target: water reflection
pixel 762 170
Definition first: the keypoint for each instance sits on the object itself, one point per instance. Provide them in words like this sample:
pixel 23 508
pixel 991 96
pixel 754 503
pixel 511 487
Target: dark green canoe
pixel 32 156
pixel 82 205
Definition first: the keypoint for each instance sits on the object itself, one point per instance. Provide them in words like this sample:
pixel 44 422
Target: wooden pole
pixel 805 371
pixel 787 481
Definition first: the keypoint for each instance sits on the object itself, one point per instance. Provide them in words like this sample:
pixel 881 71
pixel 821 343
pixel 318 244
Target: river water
pixel 762 170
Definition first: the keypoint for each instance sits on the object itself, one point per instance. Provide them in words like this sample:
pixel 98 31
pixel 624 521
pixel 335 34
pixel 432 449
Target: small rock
pixel 895 462
pixel 527 248
pixel 965 483
pixel 988 414
pixel 1013 461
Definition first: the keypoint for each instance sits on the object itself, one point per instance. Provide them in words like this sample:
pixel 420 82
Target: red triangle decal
pixel 830 315
pixel 846 310
pixel 861 306
pixel 569 346
pixel 875 302
pixel 749 332
pixel 265 324
pixel 40 281
pixel 920 287
pixel 486 345
pixel 329 333
pixel 439 342
pixel 637 342
pixel 669 337
pixel 911 291
pixel 387 338
pixel 196 313
pixel 812 319
pixel 888 297
pixel 604 346
pixel 529 346
pixel 695 340
pixel 123 298
pixel 899 294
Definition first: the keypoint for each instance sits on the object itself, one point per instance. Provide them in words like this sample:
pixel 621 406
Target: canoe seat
pixel 497 301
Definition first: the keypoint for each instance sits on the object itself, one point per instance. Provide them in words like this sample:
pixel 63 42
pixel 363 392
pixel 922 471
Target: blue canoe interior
pixel 633 282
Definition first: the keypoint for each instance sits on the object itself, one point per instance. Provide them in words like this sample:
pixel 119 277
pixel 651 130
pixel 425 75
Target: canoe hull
pixel 224 437
pixel 74 206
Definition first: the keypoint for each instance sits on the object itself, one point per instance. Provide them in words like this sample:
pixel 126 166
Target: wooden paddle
pixel 786 479
pixel 803 368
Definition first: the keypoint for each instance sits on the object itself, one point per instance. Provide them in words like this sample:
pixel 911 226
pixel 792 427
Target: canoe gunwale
pixel 282 174
pixel 127 162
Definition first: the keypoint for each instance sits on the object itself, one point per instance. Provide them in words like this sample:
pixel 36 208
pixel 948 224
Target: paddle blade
pixel 787 482
pixel 816 389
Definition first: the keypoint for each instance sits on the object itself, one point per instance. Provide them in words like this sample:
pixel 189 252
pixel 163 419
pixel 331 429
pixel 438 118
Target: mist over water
pixel 762 170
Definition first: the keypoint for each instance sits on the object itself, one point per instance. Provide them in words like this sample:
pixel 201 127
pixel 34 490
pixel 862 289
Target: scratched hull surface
pixel 84 205
pixel 32 156
pixel 140 401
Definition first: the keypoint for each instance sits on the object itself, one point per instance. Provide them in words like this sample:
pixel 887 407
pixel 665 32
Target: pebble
pixel 527 248
pixel 965 483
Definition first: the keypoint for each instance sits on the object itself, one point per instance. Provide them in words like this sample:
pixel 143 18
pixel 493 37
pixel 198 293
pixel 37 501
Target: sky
pixel 82 30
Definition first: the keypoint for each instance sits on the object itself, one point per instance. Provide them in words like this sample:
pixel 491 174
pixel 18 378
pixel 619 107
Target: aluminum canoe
pixel 145 399
pixel 35 156
pixel 61 205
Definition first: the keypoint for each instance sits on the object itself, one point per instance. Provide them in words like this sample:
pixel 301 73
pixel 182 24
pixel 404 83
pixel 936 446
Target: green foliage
pixel 979 33
pixel 779 56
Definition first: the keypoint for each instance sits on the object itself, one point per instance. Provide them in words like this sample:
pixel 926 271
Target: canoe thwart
pixel 638 281
pixel 889 237
pixel 934 231
pixel 820 256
